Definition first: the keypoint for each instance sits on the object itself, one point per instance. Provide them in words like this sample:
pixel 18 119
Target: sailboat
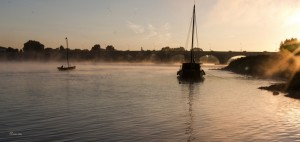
pixel 191 70
pixel 62 68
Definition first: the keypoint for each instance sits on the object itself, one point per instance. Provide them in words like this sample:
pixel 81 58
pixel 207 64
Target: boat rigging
pixel 191 70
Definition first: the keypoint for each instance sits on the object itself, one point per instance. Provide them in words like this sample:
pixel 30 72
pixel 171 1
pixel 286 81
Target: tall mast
pixel 67 52
pixel 192 54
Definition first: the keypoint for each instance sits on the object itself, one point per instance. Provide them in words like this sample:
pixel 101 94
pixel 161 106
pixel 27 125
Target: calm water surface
pixel 103 102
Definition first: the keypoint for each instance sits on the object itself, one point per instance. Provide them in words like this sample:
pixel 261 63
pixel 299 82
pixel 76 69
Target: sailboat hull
pixel 66 68
pixel 191 71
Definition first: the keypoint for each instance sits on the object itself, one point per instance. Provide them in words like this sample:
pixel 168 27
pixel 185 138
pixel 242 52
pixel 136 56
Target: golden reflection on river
pixel 133 102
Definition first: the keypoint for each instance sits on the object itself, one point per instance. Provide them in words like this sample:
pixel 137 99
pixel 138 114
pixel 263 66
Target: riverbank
pixel 261 66
pixel 281 67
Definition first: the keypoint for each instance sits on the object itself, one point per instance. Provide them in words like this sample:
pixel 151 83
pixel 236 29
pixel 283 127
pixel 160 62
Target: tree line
pixel 34 50
pixel 290 45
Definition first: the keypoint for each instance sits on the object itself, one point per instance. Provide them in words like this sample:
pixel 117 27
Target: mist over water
pixel 140 102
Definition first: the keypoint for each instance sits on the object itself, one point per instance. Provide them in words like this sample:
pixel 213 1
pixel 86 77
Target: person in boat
pixel 62 66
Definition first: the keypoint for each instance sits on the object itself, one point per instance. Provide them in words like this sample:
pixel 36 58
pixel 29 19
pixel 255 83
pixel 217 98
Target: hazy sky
pixel 251 25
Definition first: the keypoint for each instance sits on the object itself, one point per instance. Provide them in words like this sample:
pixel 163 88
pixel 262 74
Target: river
pixel 136 102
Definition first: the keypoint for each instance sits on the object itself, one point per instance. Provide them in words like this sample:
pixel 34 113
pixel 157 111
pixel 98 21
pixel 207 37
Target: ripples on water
pixel 103 102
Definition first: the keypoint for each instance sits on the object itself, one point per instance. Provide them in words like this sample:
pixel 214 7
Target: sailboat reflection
pixel 191 88
pixel 190 129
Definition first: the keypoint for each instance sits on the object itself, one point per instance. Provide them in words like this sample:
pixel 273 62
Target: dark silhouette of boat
pixel 191 71
pixel 62 68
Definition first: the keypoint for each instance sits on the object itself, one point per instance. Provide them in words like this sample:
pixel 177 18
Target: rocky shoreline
pixel 277 87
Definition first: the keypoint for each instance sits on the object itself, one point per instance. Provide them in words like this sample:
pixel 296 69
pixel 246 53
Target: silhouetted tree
pixel 96 48
pixel 290 44
pixel 12 50
pixel 110 48
pixel 166 48
pixel 197 49
pixel 61 48
pixel 48 49
pixel 178 49
pixel 172 49
pixel 2 49
pixel 33 46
